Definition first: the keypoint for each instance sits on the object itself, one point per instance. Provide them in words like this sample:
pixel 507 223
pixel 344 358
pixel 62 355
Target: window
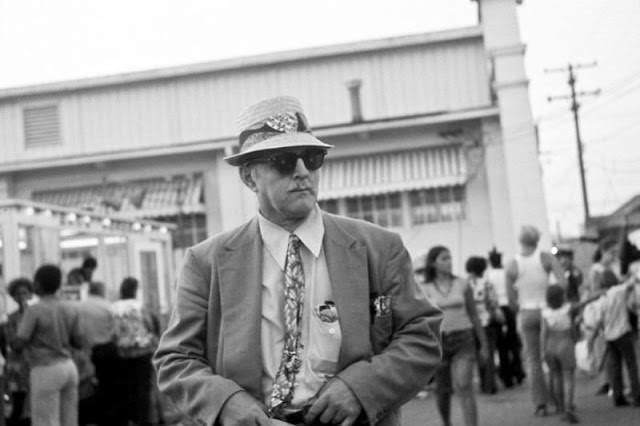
pixel 41 125
pixel 330 206
pixel 190 230
pixel 384 209
pixel 442 204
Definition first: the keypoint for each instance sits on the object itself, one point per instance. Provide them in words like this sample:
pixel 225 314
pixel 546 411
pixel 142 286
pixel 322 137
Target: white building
pixel 433 137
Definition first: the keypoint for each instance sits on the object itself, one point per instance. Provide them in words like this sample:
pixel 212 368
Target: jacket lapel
pixel 347 265
pixel 241 306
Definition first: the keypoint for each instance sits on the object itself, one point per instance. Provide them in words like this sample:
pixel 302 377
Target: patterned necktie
pixel 283 385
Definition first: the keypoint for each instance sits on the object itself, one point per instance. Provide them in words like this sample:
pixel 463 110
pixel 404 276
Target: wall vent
pixel 41 125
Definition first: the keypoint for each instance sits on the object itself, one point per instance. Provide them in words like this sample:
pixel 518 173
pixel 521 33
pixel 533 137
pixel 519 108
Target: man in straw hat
pixel 298 316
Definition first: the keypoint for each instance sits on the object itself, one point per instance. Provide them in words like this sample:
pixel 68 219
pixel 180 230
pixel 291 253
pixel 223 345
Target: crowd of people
pixel 533 313
pixel 75 358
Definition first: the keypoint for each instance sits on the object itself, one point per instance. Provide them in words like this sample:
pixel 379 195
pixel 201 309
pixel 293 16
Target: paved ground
pixel 513 407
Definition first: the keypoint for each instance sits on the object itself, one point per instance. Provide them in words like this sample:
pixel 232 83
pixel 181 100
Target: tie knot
pixel 294 241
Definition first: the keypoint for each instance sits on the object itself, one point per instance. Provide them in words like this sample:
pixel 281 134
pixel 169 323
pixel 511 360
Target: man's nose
pixel 301 170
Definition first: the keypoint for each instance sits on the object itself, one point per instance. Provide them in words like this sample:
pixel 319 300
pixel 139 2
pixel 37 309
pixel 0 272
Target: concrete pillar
pixel 523 174
pixel 502 227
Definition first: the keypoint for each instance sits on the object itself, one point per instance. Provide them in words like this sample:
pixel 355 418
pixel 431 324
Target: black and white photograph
pixel 353 213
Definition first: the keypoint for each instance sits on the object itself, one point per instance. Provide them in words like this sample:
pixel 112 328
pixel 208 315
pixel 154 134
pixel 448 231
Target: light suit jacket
pixel 211 348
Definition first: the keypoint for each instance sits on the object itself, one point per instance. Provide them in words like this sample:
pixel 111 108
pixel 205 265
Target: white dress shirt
pixel 321 339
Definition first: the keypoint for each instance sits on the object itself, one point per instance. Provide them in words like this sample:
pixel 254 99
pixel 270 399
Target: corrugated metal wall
pixel 434 77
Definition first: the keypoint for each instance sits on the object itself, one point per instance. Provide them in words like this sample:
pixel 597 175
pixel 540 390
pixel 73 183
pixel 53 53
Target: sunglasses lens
pixel 313 159
pixel 285 162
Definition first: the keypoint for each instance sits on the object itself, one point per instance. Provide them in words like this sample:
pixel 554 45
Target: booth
pixel 32 234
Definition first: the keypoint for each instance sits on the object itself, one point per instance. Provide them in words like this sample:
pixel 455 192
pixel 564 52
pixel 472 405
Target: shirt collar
pixel 276 238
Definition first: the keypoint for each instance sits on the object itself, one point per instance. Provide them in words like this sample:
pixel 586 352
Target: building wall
pixel 422 78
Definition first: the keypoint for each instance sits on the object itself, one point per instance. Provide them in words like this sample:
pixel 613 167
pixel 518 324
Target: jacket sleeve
pixel 404 366
pixel 185 371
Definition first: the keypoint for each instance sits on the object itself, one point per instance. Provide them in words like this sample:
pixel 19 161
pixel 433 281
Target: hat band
pixel 288 122
pixel 258 136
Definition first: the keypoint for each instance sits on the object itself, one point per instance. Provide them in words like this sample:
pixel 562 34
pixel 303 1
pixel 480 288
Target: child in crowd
pixel 558 340
pixel 490 316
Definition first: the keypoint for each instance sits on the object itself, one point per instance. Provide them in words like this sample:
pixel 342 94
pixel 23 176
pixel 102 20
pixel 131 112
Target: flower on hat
pixel 286 122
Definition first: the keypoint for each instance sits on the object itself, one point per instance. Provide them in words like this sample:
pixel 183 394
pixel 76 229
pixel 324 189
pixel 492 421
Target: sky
pixel 45 41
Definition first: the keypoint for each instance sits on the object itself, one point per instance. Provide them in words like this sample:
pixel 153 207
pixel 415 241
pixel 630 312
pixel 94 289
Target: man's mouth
pixel 303 189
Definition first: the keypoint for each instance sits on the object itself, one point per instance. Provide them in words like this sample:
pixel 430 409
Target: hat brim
pixel 283 142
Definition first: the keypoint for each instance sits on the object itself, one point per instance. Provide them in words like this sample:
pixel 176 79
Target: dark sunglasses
pixel 285 162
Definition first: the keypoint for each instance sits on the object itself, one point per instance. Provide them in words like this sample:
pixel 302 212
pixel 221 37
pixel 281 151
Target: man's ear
pixel 247 178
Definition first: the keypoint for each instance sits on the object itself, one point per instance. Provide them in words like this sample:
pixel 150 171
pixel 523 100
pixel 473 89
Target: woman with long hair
pixel 460 330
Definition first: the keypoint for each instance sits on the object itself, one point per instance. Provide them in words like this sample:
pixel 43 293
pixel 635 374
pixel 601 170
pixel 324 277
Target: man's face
pixel 286 199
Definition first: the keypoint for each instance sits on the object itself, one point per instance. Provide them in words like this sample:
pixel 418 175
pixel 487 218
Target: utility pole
pixel 575 107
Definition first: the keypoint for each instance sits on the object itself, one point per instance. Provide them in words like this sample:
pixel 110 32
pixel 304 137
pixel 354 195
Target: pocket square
pixel 327 311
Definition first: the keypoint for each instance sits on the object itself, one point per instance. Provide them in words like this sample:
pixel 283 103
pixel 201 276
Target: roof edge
pixel 262 59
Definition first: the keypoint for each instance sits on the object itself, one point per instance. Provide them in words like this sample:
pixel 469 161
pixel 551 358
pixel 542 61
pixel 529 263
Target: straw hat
pixel 270 125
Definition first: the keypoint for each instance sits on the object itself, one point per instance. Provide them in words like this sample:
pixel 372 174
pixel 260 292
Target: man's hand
pixel 241 409
pixel 335 404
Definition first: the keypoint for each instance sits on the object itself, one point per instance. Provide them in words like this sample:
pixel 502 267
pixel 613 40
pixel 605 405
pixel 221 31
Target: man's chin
pixel 301 209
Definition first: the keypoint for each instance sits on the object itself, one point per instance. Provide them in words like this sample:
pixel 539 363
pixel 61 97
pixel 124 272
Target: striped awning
pixel 392 172
pixel 134 199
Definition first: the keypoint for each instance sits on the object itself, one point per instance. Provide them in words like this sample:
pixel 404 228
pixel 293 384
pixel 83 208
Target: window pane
pixel 458 192
pixel 367 203
pixel 437 205
pixel 394 200
pixel 352 206
pixel 384 210
pixel 444 194
pixel 416 198
pixel 429 196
